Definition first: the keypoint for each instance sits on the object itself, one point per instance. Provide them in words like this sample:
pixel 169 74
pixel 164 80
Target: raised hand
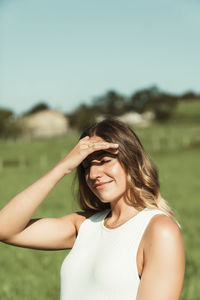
pixel 85 147
pixel 16 225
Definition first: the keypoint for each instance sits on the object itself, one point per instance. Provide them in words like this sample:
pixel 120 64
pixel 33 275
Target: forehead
pixel 97 155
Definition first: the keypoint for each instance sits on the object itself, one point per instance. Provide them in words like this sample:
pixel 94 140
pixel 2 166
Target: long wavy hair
pixel 143 188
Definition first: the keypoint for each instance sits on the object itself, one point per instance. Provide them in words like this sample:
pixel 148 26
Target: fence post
pixel 21 160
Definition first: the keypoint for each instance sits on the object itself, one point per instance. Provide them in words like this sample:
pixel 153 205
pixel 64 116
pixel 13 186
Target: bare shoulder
pixel 164 260
pixel 163 234
pixel 163 226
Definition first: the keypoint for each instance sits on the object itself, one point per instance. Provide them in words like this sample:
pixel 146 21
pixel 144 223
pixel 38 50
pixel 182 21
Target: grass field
pixel 175 149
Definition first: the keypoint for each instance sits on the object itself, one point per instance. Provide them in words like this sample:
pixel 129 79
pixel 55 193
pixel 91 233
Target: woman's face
pixel 105 176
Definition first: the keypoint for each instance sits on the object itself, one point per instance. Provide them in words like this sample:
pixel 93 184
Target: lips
pixel 102 184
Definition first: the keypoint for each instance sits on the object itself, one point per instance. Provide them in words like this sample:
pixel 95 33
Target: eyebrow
pixel 99 156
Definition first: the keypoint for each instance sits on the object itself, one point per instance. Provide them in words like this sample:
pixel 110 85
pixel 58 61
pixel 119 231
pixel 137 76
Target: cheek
pixel 119 174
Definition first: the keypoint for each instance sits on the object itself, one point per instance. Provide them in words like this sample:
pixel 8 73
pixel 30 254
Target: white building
pixel 134 118
pixel 46 123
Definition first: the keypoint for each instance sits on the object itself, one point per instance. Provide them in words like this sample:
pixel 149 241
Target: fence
pixel 159 143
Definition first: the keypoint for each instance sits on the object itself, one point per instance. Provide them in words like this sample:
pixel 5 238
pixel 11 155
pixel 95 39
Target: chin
pixel 109 199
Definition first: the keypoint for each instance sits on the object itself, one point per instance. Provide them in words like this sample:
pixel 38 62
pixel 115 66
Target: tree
pixel 163 107
pixel 109 104
pixel 140 100
pixel 162 104
pixel 38 107
pixel 82 117
pixel 5 115
pixel 9 127
pixel 190 95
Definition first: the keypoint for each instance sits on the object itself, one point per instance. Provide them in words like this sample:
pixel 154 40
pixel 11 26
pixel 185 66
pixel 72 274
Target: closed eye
pixel 105 161
pixel 97 163
pixel 101 162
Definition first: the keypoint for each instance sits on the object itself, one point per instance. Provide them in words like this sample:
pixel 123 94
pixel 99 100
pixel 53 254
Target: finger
pixel 106 145
pixel 85 138
pixel 86 145
pixel 92 146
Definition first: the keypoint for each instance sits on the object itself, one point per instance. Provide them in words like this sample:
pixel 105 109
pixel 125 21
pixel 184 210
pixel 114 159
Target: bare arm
pixel 16 225
pixel 46 234
pixel 164 261
pixel 17 213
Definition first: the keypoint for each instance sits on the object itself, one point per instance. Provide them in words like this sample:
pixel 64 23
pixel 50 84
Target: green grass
pixel 188 111
pixel 32 274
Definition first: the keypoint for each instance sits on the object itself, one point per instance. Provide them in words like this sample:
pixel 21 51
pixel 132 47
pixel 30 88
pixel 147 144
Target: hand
pixel 85 147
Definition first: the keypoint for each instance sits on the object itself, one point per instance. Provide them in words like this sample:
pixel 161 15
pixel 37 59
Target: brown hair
pixel 142 176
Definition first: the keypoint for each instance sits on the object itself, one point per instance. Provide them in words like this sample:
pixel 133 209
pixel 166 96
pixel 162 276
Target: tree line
pixel 112 103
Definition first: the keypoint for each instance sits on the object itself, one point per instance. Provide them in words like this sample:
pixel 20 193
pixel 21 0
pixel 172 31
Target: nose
pixel 96 171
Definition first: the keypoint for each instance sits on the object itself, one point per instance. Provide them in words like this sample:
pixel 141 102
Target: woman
pixel 126 244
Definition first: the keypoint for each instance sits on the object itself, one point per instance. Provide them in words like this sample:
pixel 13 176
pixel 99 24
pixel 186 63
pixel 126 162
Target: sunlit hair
pixel 143 189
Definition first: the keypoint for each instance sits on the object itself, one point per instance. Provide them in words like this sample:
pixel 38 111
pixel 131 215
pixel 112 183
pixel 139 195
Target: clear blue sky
pixel 66 52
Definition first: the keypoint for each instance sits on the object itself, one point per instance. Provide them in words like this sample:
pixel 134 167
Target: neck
pixel 121 211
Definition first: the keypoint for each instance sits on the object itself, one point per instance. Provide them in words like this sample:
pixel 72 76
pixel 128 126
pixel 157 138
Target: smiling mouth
pixel 101 185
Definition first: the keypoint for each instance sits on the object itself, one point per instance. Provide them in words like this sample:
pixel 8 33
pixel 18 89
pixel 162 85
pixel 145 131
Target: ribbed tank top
pixel 102 265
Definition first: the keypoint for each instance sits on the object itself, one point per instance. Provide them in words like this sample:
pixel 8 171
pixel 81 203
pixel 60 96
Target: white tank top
pixel 102 265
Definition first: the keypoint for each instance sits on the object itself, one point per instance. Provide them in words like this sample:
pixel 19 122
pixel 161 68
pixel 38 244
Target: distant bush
pixel 190 95
pixel 9 126
pixel 37 108
pixel 82 117
pixel 163 107
pixel 162 104
pixel 111 103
